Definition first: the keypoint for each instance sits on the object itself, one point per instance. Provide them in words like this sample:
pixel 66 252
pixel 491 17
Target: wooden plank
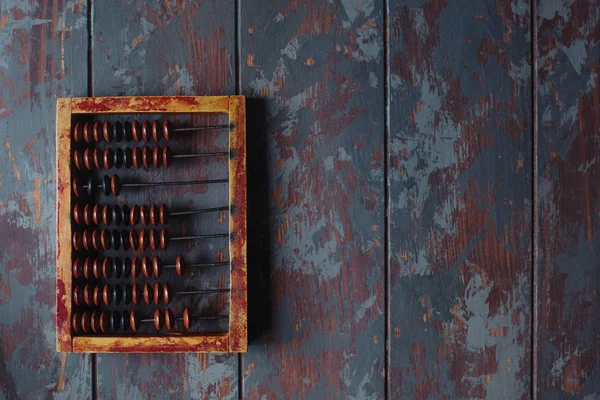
pixel 316 198
pixel 152 344
pixel 460 173
pixel 165 48
pixel 569 224
pixel 42 56
pixel 151 104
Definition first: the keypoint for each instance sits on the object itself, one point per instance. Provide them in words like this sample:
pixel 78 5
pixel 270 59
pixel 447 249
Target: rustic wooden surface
pixel 464 192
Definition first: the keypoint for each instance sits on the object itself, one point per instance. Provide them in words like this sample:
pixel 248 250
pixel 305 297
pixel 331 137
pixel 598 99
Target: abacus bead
pixel 134 239
pixel 119 131
pixel 97 295
pixel 107 267
pixel 106 215
pixel 136 294
pixel 91 186
pixel 76 322
pixel 105 239
pixel 144 215
pixel 143 239
pixel 94 322
pixel 127 155
pixel 156 266
pixel 116 215
pixel 167 130
pixel 78 132
pixel 136 131
pixel 88 214
pixel 88 295
pixel 78 295
pixel 156 130
pixel 134 214
pixel 125 213
pixel 156 156
pixel 118 158
pixel 187 319
pixel 77 241
pixel 124 240
pixel 97 214
pixel 164 214
pixel 158 320
pixel 153 239
pixel 135 267
pixel 87 268
pixel 136 157
pixel 76 187
pixel 98 157
pixel 108 131
pixel 77 214
pixel 103 321
pixel 180 265
pixel 134 320
pixel 147 267
pixel 117 267
pixel 167 156
pixel 125 320
pixel 85 322
pixel 156 293
pixel 147 157
pixel 126 267
pixel 147 131
pixel 97 132
pixel 88 135
pixel 97 268
pixel 154 214
pixel 78 268
pixel 147 294
pixel 167 293
pixel 96 239
pixel 114 321
pixel 115 184
pixel 164 240
pixel 127 131
pixel 108 158
pixel 169 319
pixel 107 295
pixel 117 294
pixel 88 159
pixel 127 294
pixel 78 159
pixel 106 185
pixel 116 239
pixel 87 239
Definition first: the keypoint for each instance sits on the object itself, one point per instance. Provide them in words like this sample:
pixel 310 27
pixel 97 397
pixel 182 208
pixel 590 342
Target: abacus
pixel 151 224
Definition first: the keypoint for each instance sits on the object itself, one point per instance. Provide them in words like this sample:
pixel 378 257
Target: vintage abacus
pixel 151 237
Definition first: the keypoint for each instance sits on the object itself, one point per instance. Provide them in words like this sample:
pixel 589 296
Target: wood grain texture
pixel 569 198
pixel 316 201
pixel 165 48
pixel 42 49
pixel 460 186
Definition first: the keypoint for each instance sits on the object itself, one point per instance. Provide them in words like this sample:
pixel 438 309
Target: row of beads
pixel 105 267
pixel 94 132
pixel 96 214
pixel 137 157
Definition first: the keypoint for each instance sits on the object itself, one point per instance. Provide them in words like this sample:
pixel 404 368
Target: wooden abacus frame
pixel 236 339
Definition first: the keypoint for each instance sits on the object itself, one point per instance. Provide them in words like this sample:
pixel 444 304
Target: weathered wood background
pixel 423 192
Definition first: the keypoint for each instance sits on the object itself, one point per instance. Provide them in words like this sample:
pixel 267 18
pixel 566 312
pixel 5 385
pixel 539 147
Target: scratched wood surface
pixel 460 187
pixel 42 47
pixel 317 70
pixel 167 48
pixel 569 199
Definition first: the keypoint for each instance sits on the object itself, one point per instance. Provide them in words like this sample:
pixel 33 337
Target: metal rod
pixel 217 154
pixel 205 210
pixel 215 235
pixel 202 128
pixel 173 183
pixel 204 318
pixel 216 264
pixel 205 291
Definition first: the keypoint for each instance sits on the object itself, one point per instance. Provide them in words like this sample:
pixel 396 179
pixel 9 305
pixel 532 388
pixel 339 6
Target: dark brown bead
pixel 187 319
pixel 107 130
pixel 97 132
pixel 104 321
pixel 78 159
pixel 87 239
pixel 87 268
pixel 88 135
pixel 95 321
pixel 169 319
pixel 108 158
pixel 164 240
pixel 107 267
pixel 85 322
pixel 105 239
pixel 158 320
pixel 157 156
pixel 107 294
pixel 134 214
pixel 136 131
pixel 98 158
pixel 156 266
pixel 134 321
pixel 88 214
pixel 97 268
pixel 143 239
pixel 76 187
pixel 147 293
pixel 136 294
pixel 156 130
pixel 167 130
pixel 136 157
pixel 167 156
pixel 78 132
pixel 147 267
pixel 144 215
pixel 135 267
pixel 164 214
pixel 77 241
pixel 153 238
pixel 147 156
pixel 97 295
pixel 180 265
pixel 77 214
pixel 88 295
pixel 115 184
pixel 78 268
pixel 97 214
pixel 96 239
pixel 76 322
pixel 134 239
pixel 78 295
pixel 88 159
pixel 154 218
pixel 106 215
pixel 167 293
pixel 157 293
pixel 147 131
